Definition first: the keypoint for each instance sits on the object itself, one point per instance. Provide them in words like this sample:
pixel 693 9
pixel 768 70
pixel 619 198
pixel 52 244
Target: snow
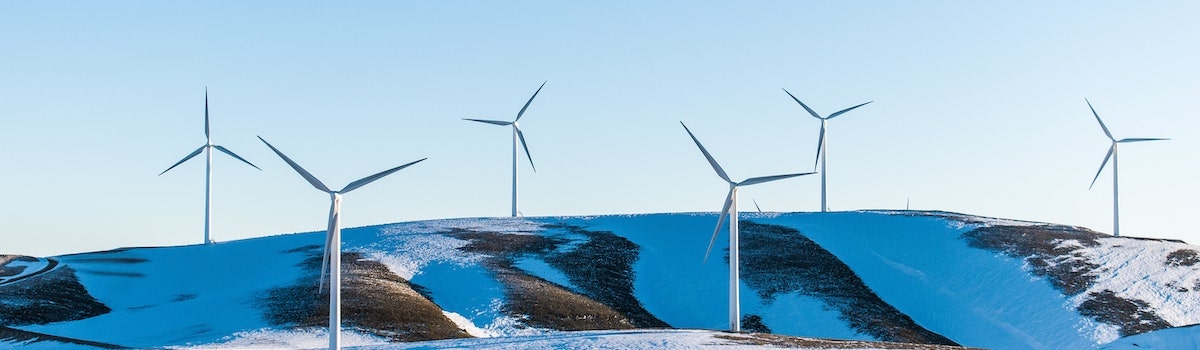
pixel 1171 338
pixel 670 268
pixel 214 285
pixel 288 339
pixel 921 266
pixel 1138 269
pixel 635 339
pixel 918 264
pixel 30 267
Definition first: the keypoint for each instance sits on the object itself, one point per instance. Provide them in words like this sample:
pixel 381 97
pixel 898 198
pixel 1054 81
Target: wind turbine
pixel 821 142
pixel 332 254
pixel 730 209
pixel 207 149
pixel 517 136
pixel 1112 153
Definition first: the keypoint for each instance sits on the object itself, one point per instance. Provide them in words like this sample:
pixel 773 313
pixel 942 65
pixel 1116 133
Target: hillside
pixel 895 276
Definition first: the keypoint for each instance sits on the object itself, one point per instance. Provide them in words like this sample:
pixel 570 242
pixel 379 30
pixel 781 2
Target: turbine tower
pixel 207 149
pixel 731 210
pixel 1112 153
pixel 331 256
pixel 821 142
pixel 518 136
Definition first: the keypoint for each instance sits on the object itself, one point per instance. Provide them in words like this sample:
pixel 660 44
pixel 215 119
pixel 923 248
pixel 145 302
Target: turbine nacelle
pixel 1112 150
pixel 518 136
pixel 334 196
pixel 208 146
pixel 733 186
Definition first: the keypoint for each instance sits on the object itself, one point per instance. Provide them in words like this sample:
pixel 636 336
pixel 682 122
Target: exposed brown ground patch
pixel 53 296
pixel 602 269
pixel 16 335
pixel 763 339
pixel 538 302
pixel 374 300
pixel 544 304
pixel 779 260
pixel 1183 257
pixel 1043 248
pixel 1132 315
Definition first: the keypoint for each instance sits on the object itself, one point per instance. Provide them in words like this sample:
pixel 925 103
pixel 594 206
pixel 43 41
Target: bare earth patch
pixel 1053 252
pixel 818 343
pixel 536 301
pixel 778 260
pixel 602 268
pixel 53 296
pixel 374 300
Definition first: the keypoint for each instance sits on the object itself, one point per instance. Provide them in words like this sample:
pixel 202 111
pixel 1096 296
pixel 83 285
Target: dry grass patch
pixel 762 339
pixel 544 304
pixel 778 260
pixel 53 296
pixel 374 300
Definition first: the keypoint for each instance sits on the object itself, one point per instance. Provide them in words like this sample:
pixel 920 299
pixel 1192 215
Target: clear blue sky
pixel 979 108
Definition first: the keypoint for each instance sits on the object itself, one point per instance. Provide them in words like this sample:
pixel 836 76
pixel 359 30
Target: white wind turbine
pixel 821 141
pixel 1112 153
pixel 518 136
pixel 207 149
pixel 731 210
pixel 332 254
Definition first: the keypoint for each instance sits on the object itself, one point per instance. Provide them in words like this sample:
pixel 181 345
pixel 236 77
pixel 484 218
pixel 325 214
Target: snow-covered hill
pixel 914 277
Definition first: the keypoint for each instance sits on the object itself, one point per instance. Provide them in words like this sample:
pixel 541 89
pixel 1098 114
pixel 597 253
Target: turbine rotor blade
pixel 1102 126
pixel 206 124
pixel 185 158
pixel 711 161
pixel 521 135
pixel 1136 139
pixel 756 205
pixel 535 93
pixel 820 144
pixel 231 154
pixel 494 122
pixel 835 114
pixel 810 111
pixel 720 221
pixel 762 179
pixel 304 173
pixel 325 258
pixel 1102 164
pixel 366 180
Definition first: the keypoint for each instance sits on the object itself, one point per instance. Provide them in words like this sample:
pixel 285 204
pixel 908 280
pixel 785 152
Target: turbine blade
pixel 1102 164
pixel 1136 139
pixel 521 135
pixel 810 111
pixel 495 122
pixel 756 205
pixel 206 124
pixel 711 161
pixel 231 154
pixel 522 112
pixel 720 221
pixel 835 114
pixel 304 173
pixel 325 259
pixel 762 179
pixel 1102 126
pixel 366 180
pixel 185 158
pixel 820 143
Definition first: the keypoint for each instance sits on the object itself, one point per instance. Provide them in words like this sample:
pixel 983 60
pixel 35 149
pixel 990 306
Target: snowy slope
pixel 905 276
